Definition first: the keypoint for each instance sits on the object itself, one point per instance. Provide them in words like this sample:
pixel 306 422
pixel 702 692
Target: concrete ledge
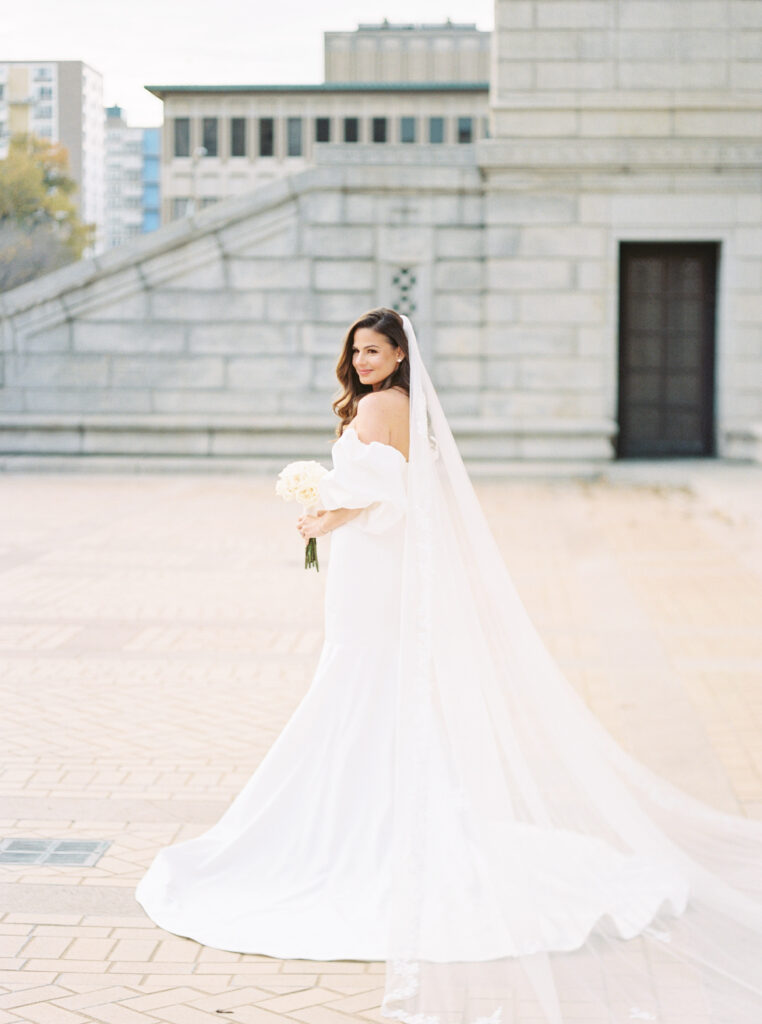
pixel 262 442
pixel 520 469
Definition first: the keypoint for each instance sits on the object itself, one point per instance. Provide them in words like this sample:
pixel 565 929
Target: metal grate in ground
pixel 79 852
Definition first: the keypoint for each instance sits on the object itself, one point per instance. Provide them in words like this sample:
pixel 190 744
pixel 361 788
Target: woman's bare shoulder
pixel 380 414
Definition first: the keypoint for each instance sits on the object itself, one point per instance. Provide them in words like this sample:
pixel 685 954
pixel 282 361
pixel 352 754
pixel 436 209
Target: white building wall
pixel 93 154
pixel 399 52
pixel 614 121
pixel 124 181
pixel 217 336
pixel 209 178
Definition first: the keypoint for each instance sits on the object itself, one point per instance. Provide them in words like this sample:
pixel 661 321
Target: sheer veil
pixel 541 874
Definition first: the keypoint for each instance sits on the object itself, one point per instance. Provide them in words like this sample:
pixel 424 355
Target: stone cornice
pixel 369 154
pixel 619 154
pixel 652 101
pixel 464 426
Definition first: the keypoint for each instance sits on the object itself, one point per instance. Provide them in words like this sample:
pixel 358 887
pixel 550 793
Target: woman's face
pixel 374 357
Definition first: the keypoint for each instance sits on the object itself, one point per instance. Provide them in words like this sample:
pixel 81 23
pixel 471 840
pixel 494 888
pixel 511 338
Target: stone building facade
pixel 61 101
pixel 586 283
pixel 132 178
pixel 223 141
pixel 393 52
pixel 623 217
pixel 384 83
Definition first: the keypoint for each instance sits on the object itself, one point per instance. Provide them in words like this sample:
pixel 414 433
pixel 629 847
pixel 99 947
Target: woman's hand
pixel 311 526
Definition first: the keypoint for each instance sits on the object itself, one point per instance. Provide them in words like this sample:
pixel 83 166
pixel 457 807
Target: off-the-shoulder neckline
pixel 381 443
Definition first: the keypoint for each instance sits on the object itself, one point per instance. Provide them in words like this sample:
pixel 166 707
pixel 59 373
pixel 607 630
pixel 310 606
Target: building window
pixel 209 136
pixel 465 129
pixel 180 206
pixel 379 129
pixel 485 127
pixel 44 112
pixel 351 129
pixel 2 91
pixel 322 129
pixel 182 136
pixel 44 92
pixel 436 129
pixel 407 129
pixel 294 136
pixel 238 136
pixel 266 136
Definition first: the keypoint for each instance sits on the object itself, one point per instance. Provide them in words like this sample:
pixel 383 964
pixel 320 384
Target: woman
pixel 442 798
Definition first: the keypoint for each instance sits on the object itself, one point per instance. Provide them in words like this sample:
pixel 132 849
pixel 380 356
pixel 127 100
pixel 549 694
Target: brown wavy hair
pixel 384 321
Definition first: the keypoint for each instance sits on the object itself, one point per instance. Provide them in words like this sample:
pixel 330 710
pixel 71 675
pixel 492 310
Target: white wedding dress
pixel 442 799
pixel 298 865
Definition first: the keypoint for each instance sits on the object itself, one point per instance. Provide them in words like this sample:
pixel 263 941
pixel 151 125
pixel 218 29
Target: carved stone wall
pixel 216 337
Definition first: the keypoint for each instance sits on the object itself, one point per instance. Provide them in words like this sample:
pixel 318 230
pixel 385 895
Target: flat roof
pixel 325 87
pixel 398 26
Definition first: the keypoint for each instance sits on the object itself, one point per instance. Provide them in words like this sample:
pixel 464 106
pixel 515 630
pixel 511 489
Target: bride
pixel 442 799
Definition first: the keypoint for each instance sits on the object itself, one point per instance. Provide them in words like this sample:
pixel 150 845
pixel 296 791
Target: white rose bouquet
pixel 298 481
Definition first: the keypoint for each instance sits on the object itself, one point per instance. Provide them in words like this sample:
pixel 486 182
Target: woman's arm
pixel 325 521
pixel 371 424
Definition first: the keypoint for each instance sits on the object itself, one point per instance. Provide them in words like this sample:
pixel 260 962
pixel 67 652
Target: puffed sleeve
pixel 371 476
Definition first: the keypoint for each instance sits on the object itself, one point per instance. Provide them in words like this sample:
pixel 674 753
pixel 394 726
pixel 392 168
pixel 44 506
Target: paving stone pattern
pixel 156 633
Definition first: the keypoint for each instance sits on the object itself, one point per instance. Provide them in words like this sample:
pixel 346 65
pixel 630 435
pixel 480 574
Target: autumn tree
pixel 40 228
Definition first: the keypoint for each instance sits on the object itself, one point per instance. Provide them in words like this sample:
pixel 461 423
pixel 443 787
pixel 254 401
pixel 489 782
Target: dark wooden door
pixel 666 348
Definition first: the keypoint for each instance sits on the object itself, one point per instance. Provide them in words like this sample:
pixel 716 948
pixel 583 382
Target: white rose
pixel 307 494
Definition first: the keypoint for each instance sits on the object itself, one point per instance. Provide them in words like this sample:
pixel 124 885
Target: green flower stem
pixel 310 554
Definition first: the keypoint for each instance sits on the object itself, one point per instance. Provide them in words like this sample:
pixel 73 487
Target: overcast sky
pixel 168 42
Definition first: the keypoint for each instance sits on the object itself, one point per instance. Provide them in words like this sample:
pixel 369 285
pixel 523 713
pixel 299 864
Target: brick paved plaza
pixel 156 632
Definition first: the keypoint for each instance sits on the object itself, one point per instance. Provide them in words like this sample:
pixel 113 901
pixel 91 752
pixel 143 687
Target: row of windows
pixel 118 200
pixel 407 131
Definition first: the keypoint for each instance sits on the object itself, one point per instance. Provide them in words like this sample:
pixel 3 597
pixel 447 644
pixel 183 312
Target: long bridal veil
pixel 542 875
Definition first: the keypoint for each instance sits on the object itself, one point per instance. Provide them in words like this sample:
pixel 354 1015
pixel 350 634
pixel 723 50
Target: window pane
pixel 209 136
pixel 465 129
pixel 407 129
pixel 294 135
pixel 351 129
pixel 322 129
pixel 238 136
pixel 266 136
pixel 179 206
pixel 182 136
pixel 379 129
pixel 436 129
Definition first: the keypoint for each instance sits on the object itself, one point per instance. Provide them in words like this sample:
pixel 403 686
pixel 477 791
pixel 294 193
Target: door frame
pixel 709 382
